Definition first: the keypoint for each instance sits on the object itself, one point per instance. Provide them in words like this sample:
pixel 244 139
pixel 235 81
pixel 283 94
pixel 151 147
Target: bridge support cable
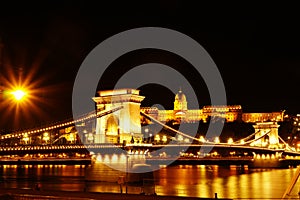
pixel 168 127
pixel 247 138
pixel 197 139
pixel 286 144
pixel 101 114
pixel 62 136
pixel 176 131
pixel 254 140
pixel 85 117
pixel 245 143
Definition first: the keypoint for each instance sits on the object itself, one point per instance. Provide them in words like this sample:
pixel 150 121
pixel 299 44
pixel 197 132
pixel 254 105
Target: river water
pixel 179 180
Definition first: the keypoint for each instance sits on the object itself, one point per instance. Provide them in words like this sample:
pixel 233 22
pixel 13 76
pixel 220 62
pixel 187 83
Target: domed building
pixel 181 113
pixel 180 106
pixel 180 103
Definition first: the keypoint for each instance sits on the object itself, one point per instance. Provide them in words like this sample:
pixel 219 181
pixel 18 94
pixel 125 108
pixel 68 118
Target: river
pixel 180 180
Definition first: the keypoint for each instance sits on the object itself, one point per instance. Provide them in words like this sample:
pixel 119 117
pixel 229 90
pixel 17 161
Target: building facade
pixel 230 113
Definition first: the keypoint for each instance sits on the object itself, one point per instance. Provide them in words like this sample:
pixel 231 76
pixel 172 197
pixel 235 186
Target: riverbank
pixel 47 161
pixel 33 194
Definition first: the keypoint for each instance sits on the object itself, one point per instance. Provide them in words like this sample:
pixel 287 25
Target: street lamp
pixel 46 137
pixel 230 141
pixel 202 139
pixel 164 138
pixel 18 94
pixel 217 140
pixel 26 138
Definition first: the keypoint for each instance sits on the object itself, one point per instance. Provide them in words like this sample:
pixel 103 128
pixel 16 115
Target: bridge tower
pixel 271 138
pixel 123 125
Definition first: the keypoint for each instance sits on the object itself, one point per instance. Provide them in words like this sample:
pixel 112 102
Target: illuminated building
pixel 263 117
pixel 230 113
pixel 124 123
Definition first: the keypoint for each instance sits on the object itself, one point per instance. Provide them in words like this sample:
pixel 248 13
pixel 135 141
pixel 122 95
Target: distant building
pixel 230 113
pixel 263 117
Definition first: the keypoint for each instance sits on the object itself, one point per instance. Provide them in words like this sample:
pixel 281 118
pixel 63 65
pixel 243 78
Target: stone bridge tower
pixel 271 139
pixel 123 125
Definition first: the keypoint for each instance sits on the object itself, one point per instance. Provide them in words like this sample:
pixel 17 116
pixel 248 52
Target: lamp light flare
pixel 19 94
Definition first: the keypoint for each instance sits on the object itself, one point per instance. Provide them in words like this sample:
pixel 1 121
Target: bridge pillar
pixel 123 125
pixel 271 138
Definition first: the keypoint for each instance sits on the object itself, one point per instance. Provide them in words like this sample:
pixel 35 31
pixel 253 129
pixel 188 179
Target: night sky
pixel 255 47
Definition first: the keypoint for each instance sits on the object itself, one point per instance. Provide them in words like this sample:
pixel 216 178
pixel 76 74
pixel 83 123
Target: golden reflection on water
pixel 182 180
pixel 227 182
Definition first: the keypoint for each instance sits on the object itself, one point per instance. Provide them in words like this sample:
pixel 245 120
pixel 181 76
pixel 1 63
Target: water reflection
pixel 228 182
pixel 181 180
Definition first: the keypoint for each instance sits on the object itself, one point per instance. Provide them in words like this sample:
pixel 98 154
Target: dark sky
pixel 255 47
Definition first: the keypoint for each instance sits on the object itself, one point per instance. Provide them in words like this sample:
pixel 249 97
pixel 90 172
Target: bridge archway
pixel 268 134
pixel 123 124
pixel 112 129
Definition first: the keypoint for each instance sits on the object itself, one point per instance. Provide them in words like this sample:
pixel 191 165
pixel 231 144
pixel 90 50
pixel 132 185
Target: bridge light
pixel 230 141
pixel 180 138
pixel 26 138
pixel 186 140
pixel 217 140
pixel 202 139
pixel 164 139
pixel 46 137
pixel 157 138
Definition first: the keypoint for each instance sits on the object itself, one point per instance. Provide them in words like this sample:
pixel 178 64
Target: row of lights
pixel 57 147
pixel 41 148
pixel 56 126
pixel 48 128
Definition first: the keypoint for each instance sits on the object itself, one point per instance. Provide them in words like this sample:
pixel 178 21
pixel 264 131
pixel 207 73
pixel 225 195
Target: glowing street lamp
pixel 46 137
pixel 202 139
pixel 25 138
pixel 157 138
pixel 164 139
pixel 18 94
pixel 217 140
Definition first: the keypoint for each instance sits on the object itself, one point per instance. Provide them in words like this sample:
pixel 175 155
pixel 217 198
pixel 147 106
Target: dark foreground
pixel 32 194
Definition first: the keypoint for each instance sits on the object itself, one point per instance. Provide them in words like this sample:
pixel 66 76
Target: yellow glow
pixel 230 141
pixel 157 138
pixel 217 140
pixel 202 139
pixel 46 136
pixel 19 94
pixel 23 94
pixel 164 139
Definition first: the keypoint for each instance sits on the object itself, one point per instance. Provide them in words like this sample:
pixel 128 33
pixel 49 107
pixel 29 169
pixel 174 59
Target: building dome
pixel 180 96
pixel 180 102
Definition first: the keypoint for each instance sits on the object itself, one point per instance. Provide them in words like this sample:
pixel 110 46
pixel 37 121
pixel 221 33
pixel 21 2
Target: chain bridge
pixel 115 128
